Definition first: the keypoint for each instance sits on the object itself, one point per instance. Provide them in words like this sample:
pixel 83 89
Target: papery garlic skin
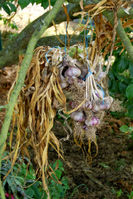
pixel 96 108
pixel 88 105
pixel 93 122
pixel 73 72
pixel 64 85
pixel 101 76
pixel 78 116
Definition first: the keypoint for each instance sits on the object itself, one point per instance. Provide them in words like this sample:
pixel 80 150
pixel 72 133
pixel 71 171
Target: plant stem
pixel 121 33
pixel 125 40
pixel 1 187
pixel 2 191
pixel 21 76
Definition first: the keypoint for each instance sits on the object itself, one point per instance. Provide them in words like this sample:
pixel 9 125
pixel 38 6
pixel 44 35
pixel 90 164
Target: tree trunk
pixel 9 55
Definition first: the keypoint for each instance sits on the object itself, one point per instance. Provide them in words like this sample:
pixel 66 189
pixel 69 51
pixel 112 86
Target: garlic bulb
pixel 70 80
pixel 106 103
pixel 100 76
pixel 103 106
pixel 88 105
pixel 96 108
pixel 78 116
pixel 80 82
pixel 73 72
pixel 64 84
pixel 93 122
pixel 85 127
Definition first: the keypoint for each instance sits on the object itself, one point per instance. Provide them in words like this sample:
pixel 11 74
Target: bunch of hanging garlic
pixel 90 80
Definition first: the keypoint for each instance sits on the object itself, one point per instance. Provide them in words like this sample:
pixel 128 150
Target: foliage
pixel 121 80
pixel 128 130
pixel 8 6
pixel 8 22
pixel 44 3
pixel 22 181
pixel 119 193
pixel 130 196
pixel 56 188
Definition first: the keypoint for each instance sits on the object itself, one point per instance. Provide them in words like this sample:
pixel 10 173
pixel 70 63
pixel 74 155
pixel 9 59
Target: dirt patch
pixel 109 173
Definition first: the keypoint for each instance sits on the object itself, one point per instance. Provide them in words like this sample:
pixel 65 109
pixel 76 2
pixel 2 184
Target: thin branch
pixel 125 40
pixel 121 33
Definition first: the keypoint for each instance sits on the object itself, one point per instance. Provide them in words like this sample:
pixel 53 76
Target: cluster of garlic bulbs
pixel 89 78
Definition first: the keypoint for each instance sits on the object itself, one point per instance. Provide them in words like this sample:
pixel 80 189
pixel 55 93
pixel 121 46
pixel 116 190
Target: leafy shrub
pixel 22 182
pixel 128 130
pixel 121 81
pixel 44 4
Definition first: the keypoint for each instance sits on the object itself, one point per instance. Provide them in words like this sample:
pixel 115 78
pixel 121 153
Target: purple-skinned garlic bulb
pixel 73 72
pixel 93 122
pixel 88 105
pixel 106 103
pixel 78 116
pixel 85 127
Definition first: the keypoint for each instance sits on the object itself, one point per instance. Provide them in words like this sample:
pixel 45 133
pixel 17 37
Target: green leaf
pixel 111 75
pixel 124 128
pixel 58 173
pixel 119 193
pixel 129 92
pixel 37 191
pixel 122 87
pixel 121 63
pixel 45 3
pixel 131 135
pixel 130 111
pixel 131 69
pixel 104 165
pixel 12 7
pixel 6 8
pixel 114 86
pixel 131 129
pixel 30 192
pixel 23 3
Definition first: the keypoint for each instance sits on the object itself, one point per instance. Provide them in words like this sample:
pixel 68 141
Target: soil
pixel 109 173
